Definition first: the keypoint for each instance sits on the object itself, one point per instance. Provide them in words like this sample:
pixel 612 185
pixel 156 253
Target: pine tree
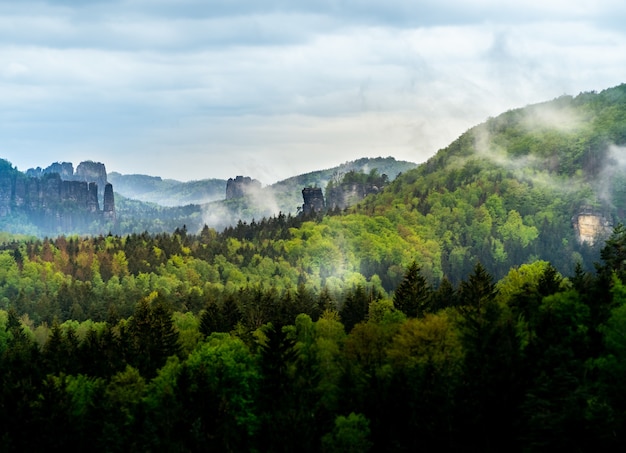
pixel 154 337
pixel 231 314
pixel 413 295
pixel 211 319
pixel 354 308
pixel 444 296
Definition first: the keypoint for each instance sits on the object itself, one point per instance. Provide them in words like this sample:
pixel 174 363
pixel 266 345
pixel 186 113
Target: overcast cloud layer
pixel 199 89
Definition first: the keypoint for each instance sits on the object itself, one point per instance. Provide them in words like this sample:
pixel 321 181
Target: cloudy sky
pixel 193 89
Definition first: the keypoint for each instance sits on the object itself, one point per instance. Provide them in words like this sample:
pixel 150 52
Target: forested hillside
pixel 507 191
pixel 475 303
pixel 160 344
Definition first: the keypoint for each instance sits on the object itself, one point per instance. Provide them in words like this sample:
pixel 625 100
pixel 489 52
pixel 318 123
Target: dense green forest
pixel 457 307
pixel 115 357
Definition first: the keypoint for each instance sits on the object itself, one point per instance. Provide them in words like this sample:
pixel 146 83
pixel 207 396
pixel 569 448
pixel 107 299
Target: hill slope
pixel 286 196
pixel 511 190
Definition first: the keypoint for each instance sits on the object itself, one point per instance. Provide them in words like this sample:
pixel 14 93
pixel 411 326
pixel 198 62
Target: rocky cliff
pixel 347 190
pixel 313 200
pixel 64 169
pixel 591 226
pixel 241 186
pixel 57 201
pixel 340 197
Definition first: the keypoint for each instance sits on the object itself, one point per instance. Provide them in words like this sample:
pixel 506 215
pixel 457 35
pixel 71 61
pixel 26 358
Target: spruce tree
pixel 413 295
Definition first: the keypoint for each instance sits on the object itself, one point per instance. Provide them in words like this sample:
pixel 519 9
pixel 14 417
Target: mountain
pixel 58 200
pixel 286 193
pixel 286 196
pixel 167 192
pixel 542 182
pixel 166 198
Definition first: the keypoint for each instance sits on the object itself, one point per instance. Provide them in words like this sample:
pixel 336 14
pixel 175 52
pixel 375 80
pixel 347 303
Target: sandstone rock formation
pixel 64 169
pixel 109 203
pixel 55 199
pixel 241 186
pixel 313 200
pixel 591 226
pixel 350 188
pixel 90 171
pixel 340 197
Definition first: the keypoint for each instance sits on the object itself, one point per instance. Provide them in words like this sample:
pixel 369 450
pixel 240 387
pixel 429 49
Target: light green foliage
pixel 349 435
pixel 188 326
pixel 380 310
pixel 224 365
pixel 516 232
pixel 520 278
pixel 430 341
pixel 4 333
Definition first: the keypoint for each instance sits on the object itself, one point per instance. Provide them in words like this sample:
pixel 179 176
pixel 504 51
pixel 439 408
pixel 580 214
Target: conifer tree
pixel 211 319
pixel 354 308
pixel 153 335
pixel 413 295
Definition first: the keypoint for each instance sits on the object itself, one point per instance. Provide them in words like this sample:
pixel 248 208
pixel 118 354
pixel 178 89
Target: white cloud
pixel 189 89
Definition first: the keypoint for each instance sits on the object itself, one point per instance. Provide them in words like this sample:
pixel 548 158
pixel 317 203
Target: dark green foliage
pixel 153 337
pixel 211 319
pixel 613 254
pixel 492 368
pixel 350 434
pixel 281 418
pixel 354 309
pixel 413 296
pixel 444 296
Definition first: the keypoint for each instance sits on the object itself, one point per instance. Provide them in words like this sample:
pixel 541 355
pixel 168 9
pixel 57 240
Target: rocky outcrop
pixel 591 226
pixel 313 200
pixel 90 171
pixel 64 169
pixel 87 171
pixel 348 189
pixel 109 203
pixel 57 201
pixel 241 186
pixel 342 196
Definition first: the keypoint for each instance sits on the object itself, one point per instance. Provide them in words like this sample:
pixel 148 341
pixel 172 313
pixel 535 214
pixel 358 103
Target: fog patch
pixel 257 203
pixel 612 177
pixel 526 167
pixel 555 117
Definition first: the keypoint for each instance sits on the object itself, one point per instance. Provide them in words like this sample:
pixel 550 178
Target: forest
pixel 457 307
pixel 114 357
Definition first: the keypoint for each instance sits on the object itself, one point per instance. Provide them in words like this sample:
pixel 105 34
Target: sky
pixel 195 89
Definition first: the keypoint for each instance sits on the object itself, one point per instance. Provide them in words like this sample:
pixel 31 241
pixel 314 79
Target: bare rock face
pixel 90 171
pixel 340 197
pixel 5 194
pixel 64 169
pixel 313 200
pixel 56 199
pixel 109 202
pixel 241 186
pixel 591 226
